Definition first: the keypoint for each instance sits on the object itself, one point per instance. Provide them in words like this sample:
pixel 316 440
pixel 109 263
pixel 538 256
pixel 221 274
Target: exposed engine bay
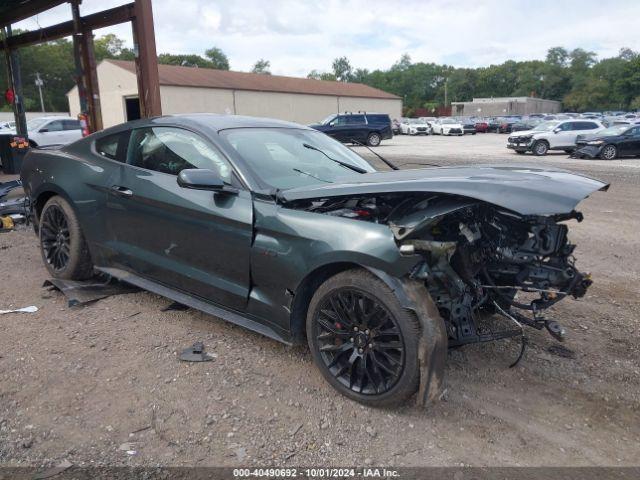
pixel 478 259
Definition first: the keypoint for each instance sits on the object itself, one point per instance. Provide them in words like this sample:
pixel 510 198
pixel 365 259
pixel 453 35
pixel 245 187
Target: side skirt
pixel 194 302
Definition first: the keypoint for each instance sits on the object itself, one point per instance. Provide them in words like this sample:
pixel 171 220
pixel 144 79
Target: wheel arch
pixel 42 196
pixel 312 281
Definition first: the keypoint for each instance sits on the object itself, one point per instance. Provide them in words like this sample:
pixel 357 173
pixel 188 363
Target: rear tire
pixel 540 148
pixel 64 250
pixel 373 140
pixel 609 152
pixel 362 340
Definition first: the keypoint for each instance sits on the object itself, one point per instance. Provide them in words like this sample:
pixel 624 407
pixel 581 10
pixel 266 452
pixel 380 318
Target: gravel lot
pixel 79 383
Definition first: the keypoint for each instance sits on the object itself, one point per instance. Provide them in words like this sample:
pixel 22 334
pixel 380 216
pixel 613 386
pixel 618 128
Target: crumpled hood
pixel 526 190
pixel 524 133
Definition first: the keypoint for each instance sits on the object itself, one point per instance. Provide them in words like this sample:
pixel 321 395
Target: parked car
pixel 553 135
pixel 278 228
pixel 395 126
pixel 415 126
pixel 481 126
pixel 524 125
pixel 447 126
pixel 611 143
pixel 468 126
pixel 494 124
pixel 369 128
pixel 11 125
pixel 52 130
pixel 506 124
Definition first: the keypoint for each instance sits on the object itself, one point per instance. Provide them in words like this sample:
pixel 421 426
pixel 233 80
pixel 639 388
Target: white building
pixel 498 106
pixel 191 90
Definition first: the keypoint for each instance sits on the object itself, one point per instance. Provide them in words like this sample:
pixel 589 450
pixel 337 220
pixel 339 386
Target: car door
pixel 191 240
pixel 51 133
pixel 630 143
pixel 356 128
pixel 339 128
pixel 72 130
pixel 563 136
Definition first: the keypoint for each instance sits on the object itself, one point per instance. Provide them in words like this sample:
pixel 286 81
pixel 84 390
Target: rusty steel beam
pixel 77 57
pixel 92 90
pixel 106 18
pixel 144 44
pixel 20 11
pixel 15 83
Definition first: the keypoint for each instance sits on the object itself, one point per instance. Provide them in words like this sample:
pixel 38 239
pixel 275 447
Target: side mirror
pixel 556 130
pixel 43 130
pixel 203 179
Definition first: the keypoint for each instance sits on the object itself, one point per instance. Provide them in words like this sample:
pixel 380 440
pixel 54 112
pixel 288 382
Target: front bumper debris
pixel 589 151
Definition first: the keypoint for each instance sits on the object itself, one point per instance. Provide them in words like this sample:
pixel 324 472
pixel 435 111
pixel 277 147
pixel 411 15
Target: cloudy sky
pixel 298 36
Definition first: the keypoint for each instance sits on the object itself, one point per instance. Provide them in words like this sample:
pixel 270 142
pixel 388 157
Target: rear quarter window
pixel 108 146
pixel 379 119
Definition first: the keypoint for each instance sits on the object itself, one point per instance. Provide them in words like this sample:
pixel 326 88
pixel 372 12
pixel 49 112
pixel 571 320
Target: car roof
pixel 208 121
pixel 221 122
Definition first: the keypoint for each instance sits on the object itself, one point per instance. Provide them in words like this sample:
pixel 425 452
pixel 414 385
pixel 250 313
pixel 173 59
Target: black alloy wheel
pixel 359 341
pixel 55 238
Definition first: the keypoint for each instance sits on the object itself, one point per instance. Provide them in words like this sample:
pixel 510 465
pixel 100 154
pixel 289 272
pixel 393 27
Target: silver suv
pixel 552 135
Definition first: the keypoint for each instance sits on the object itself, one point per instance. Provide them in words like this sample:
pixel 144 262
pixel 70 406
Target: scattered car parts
pixel 88 291
pixel 196 353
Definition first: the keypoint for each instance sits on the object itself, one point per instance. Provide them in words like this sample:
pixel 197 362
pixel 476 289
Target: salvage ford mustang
pixel 278 228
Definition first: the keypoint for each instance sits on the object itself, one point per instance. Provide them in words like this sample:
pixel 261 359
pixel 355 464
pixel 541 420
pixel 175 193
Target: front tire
pixel 64 250
pixel 609 152
pixel 362 340
pixel 540 148
pixel 373 140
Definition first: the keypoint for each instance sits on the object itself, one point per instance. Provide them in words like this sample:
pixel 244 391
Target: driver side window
pixel 171 150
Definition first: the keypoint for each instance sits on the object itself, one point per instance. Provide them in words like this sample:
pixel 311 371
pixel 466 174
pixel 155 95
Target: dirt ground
pixel 79 383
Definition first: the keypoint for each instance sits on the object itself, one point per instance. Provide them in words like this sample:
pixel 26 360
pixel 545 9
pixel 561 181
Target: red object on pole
pixel 9 96
pixel 84 123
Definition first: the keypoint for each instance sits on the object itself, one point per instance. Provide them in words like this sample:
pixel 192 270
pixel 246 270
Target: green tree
pixel 317 75
pixel 190 60
pixel 262 66
pixel 110 46
pixel 342 69
pixel 218 58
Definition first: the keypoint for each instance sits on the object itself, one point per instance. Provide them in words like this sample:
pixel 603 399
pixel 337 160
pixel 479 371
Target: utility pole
pixel 39 84
pixel 446 93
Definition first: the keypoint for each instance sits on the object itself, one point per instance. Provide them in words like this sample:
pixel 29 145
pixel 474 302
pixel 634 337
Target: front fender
pixel 289 245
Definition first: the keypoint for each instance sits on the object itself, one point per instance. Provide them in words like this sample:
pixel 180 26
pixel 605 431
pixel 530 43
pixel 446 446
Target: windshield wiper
pixel 311 175
pixel 387 162
pixel 391 165
pixel 339 162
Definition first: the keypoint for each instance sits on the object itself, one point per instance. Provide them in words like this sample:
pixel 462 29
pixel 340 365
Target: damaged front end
pixel 478 259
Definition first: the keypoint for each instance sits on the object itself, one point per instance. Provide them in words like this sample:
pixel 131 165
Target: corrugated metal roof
pixel 210 78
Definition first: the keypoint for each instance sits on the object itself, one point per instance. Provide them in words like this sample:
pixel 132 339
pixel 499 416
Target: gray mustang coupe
pixel 281 229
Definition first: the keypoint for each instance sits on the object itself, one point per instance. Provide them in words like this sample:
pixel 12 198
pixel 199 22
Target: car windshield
pixel 279 157
pixel 545 126
pixel 448 120
pixel 612 131
pixel 328 119
pixel 36 123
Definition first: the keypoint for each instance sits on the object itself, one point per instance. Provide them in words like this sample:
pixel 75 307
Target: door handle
pixel 121 191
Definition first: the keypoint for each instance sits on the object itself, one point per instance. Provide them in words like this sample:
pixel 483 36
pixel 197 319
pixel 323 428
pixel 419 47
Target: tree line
pixel 54 62
pixel 575 77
